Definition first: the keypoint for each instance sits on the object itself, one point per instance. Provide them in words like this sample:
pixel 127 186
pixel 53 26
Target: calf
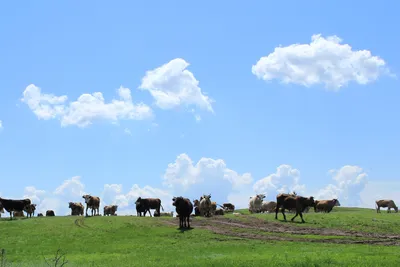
pixel 30 209
pixel 289 201
pixel 92 202
pixel 110 210
pixel 50 213
pixel 40 215
pixel 184 208
pixel 11 205
pixel 385 203
pixel 76 208
pixel 18 214
pixel 255 203
pixel 149 203
pixel 325 205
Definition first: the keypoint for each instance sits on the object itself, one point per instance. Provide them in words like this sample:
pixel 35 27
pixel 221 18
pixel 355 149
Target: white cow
pixel 255 203
pixel 205 206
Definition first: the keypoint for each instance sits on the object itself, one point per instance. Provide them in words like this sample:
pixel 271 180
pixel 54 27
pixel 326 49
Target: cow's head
pixel 206 197
pixel 196 203
pixel 336 201
pixel 261 196
pixel 138 201
pixel 310 202
pixel 114 208
pixel 71 205
pixel 87 198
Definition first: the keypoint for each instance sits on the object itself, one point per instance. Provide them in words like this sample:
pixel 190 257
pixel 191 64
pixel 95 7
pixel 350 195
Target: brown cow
pixel 184 208
pixel 11 205
pixel 50 213
pixel 18 214
pixel 149 203
pixel 205 205
pixel 30 209
pixel 385 203
pixel 289 201
pixel 76 208
pixel 325 205
pixel 110 210
pixel 92 202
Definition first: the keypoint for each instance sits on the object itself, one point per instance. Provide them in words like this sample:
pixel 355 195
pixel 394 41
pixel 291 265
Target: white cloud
pixel 323 61
pixel 1 125
pixel 87 109
pixel 285 180
pixel 350 181
pixel 172 85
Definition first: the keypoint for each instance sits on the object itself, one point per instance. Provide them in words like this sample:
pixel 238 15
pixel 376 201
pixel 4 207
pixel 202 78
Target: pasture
pixel 344 237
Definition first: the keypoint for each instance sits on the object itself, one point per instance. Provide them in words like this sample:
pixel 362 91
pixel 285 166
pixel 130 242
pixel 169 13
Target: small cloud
pixel 198 118
pixel 1 125
pixel 127 131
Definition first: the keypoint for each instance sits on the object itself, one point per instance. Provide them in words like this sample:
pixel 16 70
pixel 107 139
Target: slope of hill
pixel 345 237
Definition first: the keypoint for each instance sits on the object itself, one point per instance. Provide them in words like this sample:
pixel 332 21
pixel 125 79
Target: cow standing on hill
pixel 110 210
pixel 50 213
pixel 325 205
pixel 149 203
pixel 93 203
pixel 76 208
pixel 205 205
pixel 289 201
pixel 30 210
pixel 184 208
pixel 385 203
pixel 11 205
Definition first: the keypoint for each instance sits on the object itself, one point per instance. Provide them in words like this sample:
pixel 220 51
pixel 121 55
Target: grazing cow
pixel 110 210
pixel 385 203
pixel 93 203
pixel 205 206
pixel 255 203
pixel 11 205
pixel 196 204
pixel 149 203
pixel 325 205
pixel 289 201
pixel 268 206
pixel 30 210
pixel 184 208
pixel 228 207
pixel 18 214
pixel 40 215
pixel 219 211
pixel 50 213
pixel 76 208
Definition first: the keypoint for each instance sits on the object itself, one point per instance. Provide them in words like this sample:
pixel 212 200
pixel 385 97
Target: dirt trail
pixel 254 228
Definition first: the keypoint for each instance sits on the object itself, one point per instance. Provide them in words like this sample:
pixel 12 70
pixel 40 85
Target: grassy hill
pixel 345 237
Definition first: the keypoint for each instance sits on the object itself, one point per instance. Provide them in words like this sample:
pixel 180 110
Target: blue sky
pixel 218 109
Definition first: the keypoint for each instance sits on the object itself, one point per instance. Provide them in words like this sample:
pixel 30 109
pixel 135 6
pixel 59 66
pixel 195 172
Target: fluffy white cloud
pixel 172 85
pixel 350 181
pixel 86 109
pixel 323 61
pixel 285 180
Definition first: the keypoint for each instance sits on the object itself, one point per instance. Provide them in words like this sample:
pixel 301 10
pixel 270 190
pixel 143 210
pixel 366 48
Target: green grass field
pixel 345 237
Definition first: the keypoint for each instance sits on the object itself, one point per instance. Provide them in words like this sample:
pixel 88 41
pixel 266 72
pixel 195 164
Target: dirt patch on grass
pixel 287 231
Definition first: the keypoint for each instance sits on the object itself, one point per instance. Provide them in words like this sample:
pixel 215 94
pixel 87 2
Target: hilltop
pixel 347 236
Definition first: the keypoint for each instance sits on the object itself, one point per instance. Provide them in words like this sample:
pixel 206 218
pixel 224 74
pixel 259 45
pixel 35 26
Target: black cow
pixel 50 213
pixel 11 205
pixel 183 208
pixel 140 209
pixel 149 203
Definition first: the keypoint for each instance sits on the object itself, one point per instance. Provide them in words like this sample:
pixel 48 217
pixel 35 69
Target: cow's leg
pixel 86 210
pixel 297 213
pixel 276 212
pixel 10 215
pixel 283 212
pixel 150 212
pixel 188 221
pixel 388 210
pixel 301 216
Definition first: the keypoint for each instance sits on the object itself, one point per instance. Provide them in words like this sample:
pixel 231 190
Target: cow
pixel 289 201
pixel 228 207
pixel 40 215
pixel 213 207
pixel 110 210
pixel 139 210
pixel 50 213
pixel 325 205
pixel 76 208
pixel 268 206
pixel 219 211
pixel 184 208
pixel 385 203
pixel 205 206
pixel 11 205
pixel 92 202
pixel 149 203
pixel 30 210
pixel 196 204
pixel 18 214
pixel 255 203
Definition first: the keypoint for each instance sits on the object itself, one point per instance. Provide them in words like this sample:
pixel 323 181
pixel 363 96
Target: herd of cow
pixel 184 207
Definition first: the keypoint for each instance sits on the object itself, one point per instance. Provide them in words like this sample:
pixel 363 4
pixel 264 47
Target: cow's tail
pixel 162 207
